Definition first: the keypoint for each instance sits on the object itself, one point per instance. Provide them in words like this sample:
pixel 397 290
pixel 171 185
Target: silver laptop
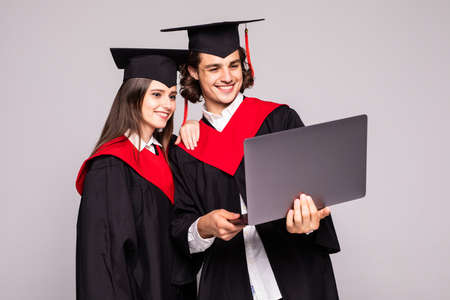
pixel 326 161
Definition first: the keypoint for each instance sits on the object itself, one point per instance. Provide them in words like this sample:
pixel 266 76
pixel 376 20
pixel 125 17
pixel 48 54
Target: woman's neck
pixel 147 132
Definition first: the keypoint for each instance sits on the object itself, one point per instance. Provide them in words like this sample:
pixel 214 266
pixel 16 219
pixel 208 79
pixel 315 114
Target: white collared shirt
pixel 262 280
pixel 220 121
pixel 134 139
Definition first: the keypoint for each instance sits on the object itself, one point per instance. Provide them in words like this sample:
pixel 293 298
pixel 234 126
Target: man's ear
pixel 193 72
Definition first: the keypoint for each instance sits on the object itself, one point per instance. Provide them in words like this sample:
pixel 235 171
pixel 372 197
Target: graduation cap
pixel 156 64
pixel 220 39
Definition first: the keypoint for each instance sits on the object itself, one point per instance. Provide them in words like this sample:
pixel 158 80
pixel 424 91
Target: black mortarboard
pixel 156 64
pixel 219 39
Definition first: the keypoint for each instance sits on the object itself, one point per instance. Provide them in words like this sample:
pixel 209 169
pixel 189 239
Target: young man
pixel 283 259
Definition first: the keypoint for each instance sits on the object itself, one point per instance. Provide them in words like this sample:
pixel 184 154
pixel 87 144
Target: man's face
pixel 220 78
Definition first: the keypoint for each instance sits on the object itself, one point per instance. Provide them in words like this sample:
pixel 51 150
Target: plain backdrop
pixel 326 59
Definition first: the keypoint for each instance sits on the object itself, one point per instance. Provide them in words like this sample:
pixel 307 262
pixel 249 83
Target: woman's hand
pixel 216 223
pixel 304 217
pixel 189 134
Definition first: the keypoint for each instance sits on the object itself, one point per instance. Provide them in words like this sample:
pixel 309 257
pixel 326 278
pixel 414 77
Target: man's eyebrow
pixel 213 65
pixel 235 61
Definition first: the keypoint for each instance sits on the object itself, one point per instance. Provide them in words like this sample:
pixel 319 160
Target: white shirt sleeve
pixel 196 242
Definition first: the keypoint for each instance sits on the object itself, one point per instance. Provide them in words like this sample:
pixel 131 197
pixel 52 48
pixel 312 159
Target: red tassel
pixel 248 52
pixel 185 111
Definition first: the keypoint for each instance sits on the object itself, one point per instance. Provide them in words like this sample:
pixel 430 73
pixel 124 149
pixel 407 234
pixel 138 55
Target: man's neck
pixel 215 107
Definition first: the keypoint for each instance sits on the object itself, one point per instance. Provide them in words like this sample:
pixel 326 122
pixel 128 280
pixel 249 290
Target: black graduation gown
pixel 124 249
pixel 300 262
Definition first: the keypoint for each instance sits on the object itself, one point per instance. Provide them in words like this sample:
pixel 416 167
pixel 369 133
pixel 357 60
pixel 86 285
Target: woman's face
pixel 158 105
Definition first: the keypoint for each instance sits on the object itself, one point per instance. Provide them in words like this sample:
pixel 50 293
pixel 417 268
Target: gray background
pixel 327 59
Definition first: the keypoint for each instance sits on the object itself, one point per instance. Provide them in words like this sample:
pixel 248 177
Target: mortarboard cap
pixel 220 39
pixel 156 64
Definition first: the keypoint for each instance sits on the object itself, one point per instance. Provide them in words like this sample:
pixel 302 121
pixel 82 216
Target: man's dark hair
pixel 190 87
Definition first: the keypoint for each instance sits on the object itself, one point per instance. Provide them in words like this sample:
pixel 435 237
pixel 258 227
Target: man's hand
pixel 305 217
pixel 189 134
pixel 216 224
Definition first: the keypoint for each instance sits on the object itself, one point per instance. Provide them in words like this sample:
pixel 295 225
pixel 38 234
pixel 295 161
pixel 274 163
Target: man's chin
pixel 227 99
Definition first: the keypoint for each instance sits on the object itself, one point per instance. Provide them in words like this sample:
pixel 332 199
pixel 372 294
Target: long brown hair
pixel 190 87
pixel 126 114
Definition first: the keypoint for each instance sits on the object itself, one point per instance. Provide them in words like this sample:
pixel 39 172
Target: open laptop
pixel 326 161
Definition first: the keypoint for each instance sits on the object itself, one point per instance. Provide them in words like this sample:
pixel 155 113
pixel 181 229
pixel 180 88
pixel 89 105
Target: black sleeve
pixel 284 118
pixel 187 209
pixel 105 233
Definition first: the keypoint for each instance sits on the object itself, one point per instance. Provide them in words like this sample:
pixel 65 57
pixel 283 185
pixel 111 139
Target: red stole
pixel 225 150
pixel 153 168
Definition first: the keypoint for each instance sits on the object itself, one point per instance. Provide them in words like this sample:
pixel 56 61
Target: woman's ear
pixel 193 72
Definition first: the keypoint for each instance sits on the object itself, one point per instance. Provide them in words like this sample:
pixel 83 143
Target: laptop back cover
pixel 326 161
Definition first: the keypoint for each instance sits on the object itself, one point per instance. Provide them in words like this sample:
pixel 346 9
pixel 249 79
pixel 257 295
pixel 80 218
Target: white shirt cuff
pixel 196 242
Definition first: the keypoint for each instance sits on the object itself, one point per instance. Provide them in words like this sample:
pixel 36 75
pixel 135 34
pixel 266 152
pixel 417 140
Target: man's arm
pixel 193 229
pixel 187 208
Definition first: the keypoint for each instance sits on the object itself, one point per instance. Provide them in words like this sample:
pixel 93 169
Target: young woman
pixel 123 245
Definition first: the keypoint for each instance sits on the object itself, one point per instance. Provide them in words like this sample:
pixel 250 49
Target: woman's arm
pixel 104 234
pixel 189 134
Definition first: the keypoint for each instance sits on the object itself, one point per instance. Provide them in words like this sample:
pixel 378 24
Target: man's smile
pixel 226 88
